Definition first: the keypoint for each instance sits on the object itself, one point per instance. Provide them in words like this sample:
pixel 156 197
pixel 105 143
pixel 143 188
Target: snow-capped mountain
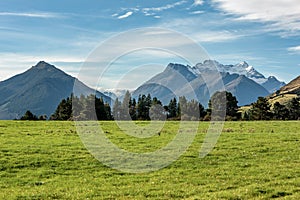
pixel 183 80
pixel 271 83
pixel 115 93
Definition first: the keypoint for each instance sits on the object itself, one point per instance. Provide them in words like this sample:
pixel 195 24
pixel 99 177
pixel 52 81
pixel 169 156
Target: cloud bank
pixel 281 14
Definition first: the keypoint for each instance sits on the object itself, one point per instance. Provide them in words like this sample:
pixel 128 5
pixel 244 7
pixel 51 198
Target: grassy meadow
pixel 252 160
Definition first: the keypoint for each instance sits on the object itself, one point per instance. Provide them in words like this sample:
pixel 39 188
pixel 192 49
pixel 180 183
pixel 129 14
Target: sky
pixel 264 33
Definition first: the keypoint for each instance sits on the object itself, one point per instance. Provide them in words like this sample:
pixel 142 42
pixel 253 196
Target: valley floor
pixel 252 160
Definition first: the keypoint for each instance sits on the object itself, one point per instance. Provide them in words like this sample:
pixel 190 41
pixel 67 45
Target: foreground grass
pixel 252 160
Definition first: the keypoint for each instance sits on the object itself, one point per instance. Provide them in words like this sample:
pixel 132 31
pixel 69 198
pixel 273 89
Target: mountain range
pixel 43 86
pixel 271 83
pixel 241 80
pixel 39 89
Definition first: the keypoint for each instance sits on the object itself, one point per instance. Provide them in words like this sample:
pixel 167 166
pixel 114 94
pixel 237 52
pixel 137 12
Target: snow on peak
pixel 272 77
pixel 250 68
pixel 243 64
pixel 242 68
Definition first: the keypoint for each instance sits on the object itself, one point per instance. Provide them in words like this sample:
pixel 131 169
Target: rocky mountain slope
pixel 39 89
pixel 180 80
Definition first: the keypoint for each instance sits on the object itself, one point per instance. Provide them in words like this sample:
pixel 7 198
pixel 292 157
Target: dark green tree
pixel 217 106
pixel 100 109
pixel 124 109
pixel 117 109
pixel 280 112
pixel 183 108
pixel 232 106
pixel 108 112
pixel 89 108
pixel 172 108
pixel 193 112
pixel 132 109
pixel 202 111
pixel 246 116
pixel 29 116
pixel 260 110
pixel 157 111
pixel 63 110
pixel 77 107
pixel 143 106
pixel 83 108
pixel 294 109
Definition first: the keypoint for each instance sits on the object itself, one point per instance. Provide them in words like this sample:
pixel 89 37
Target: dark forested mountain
pixel 180 80
pixel 39 89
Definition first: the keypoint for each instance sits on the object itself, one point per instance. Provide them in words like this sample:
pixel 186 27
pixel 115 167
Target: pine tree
pixel 143 106
pixel 231 106
pixel 29 116
pixel 132 109
pixel 124 109
pixel 260 110
pixel 294 109
pixel 193 111
pixel 117 109
pixel 172 108
pixel 100 109
pixel 280 112
pixel 63 110
pixel 157 111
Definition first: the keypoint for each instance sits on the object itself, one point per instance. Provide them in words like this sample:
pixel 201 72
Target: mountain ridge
pixel 292 87
pixel 271 83
pixel 188 81
pixel 38 89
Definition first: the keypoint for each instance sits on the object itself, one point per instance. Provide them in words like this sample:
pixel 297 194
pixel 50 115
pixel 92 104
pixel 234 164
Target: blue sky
pixel 263 33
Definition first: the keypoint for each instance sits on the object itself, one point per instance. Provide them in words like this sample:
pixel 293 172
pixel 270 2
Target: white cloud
pixel 295 49
pixel 125 15
pixel 152 11
pixel 281 14
pixel 201 33
pixel 214 36
pixel 198 2
pixel 233 58
pixel 197 12
pixel 162 8
pixel 32 14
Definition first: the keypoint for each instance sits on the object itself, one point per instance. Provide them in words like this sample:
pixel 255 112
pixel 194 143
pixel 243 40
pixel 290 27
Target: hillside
pixel 287 92
pixel 292 87
pixel 39 89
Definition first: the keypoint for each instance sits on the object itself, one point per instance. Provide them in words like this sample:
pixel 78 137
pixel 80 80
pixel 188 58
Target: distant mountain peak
pixel 43 65
pixel 272 78
pixel 39 89
pixel 243 68
pixel 183 80
pixel 243 64
pixel 176 66
pixel 211 62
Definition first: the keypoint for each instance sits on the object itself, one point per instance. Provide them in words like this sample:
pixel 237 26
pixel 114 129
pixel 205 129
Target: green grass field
pixel 252 160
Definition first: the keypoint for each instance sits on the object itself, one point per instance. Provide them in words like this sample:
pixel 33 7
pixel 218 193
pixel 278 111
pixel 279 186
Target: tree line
pixel 147 108
pixel 263 110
